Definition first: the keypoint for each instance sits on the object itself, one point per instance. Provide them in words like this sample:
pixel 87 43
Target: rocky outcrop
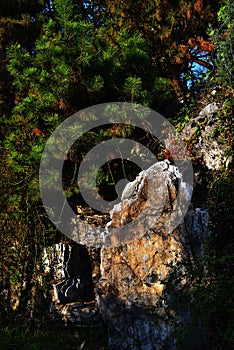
pixel 128 278
pixel 197 227
pixel 132 274
pixel 201 131
pixel 71 270
pixel 75 271
pixel 78 314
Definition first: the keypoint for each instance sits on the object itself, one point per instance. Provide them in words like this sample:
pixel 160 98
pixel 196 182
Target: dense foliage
pixel 207 297
pixel 60 56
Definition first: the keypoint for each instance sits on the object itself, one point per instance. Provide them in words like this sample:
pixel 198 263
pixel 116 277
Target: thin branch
pixel 203 63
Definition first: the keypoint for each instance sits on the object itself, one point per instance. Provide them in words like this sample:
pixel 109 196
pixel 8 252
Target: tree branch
pixel 202 63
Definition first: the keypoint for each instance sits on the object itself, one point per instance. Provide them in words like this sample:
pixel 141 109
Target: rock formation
pixel 75 272
pixel 203 129
pixel 132 274
pixel 128 279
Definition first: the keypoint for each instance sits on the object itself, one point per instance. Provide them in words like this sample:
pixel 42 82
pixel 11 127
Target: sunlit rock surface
pixel 132 274
pixel 201 131
pixel 126 280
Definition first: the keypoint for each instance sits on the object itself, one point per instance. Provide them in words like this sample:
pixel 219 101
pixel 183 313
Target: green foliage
pixel 220 201
pixel 63 56
pixel 223 38
pixel 199 293
pixel 67 67
pixel 175 31
pixel 199 302
pixel 133 87
pixel 51 339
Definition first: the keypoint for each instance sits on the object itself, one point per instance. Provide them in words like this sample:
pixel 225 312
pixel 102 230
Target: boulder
pixel 132 274
pixel 128 272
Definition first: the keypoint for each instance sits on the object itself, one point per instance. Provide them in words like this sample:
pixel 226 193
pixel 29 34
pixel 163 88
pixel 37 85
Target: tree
pixel 64 57
pixel 63 68
pixel 175 30
pixel 15 9
pixel 222 38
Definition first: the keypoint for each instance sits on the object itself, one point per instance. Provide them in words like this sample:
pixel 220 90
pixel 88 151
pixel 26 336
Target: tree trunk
pixel 177 84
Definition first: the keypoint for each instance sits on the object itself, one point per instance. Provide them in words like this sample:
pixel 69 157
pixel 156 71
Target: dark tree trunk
pixel 177 83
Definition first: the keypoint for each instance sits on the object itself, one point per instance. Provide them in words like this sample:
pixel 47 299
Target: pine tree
pixel 66 66
pixel 175 30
